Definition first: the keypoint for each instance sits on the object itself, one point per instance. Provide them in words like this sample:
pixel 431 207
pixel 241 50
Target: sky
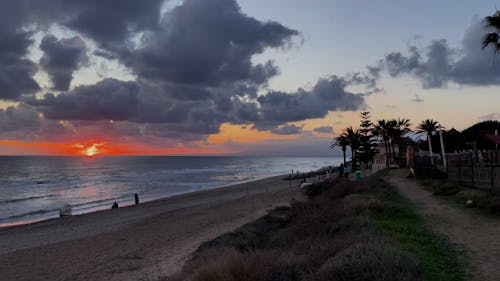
pixel 252 77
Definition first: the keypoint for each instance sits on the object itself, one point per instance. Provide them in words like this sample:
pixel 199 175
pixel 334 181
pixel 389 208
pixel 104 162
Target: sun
pixel 90 149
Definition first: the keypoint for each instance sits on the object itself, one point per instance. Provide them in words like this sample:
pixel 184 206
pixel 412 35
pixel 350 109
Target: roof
pixel 493 138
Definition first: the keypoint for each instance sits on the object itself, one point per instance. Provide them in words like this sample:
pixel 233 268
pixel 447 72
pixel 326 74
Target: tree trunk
pixel 386 153
pixel 343 150
pixel 393 151
pixel 430 147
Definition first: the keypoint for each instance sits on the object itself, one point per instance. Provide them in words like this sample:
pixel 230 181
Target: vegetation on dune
pixel 471 198
pixel 346 231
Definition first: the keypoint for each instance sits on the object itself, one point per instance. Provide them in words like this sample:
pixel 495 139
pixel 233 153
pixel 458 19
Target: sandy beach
pixel 140 242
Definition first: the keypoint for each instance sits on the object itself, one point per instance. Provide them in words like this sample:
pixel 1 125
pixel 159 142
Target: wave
pixel 16 200
pixel 32 213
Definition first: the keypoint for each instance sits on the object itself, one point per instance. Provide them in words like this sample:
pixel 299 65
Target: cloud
pixel 324 129
pixel 61 58
pixel 108 23
pixel 438 64
pixel 288 129
pixel 193 70
pixel 16 72
pixel 328 94
pixel 491 116
pixel 208 43
pixel 23 122
pixel 109 99
pixel 304 145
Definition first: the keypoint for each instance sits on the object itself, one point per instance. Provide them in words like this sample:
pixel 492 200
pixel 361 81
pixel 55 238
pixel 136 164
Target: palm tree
pixel 428 126
pixel 342 142
pixel 493 38
pixel 392 133
pixel 381 128
pixel 400 128
pixel 354 138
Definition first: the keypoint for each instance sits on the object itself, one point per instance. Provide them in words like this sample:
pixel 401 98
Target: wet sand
pixel 140 242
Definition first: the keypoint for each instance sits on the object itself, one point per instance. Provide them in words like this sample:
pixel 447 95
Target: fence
pixel 481 171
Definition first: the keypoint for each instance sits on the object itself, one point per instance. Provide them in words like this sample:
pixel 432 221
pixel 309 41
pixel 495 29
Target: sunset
pixel 249 140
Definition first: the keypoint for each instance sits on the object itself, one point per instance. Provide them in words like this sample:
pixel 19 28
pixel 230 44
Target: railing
pixel 482 172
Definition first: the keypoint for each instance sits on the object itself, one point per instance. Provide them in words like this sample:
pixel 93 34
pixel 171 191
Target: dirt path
pixel 478 235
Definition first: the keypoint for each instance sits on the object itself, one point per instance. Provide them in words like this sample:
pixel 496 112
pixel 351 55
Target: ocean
pixel 34 188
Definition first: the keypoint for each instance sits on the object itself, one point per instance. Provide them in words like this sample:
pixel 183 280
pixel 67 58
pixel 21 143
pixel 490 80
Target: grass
pixel 485 201
pixel 346 231
pixel 438 259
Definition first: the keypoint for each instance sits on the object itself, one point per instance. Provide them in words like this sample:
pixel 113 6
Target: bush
pixel 358 203
pixel 430 172
pixel 372 261
pixel 444 188
pixel 253 235
pixel 494 205
pixel 318 188
pixel 479 198
pixel 234 265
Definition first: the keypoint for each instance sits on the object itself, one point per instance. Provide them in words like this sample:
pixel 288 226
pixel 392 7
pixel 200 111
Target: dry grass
pixel 359 203
pixel 334 236
pixel 369 261
pixel 233 265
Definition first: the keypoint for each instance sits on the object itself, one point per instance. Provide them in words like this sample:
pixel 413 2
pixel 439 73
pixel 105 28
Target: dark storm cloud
pixel 107 22
pixel 324 129
pixel 438 64
pixel 16 72
pixel 61 58
pixel 327 95
pixel 23 122
pixel 193 69
pixel 208 43
pixel 110 23
pixel 109 99
pixel 288 129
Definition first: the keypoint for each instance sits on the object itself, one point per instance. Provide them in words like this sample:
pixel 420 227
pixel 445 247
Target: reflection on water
pixel 36 187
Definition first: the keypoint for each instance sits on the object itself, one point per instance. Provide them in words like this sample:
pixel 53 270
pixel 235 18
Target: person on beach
pixel 115 205
pixel 136 197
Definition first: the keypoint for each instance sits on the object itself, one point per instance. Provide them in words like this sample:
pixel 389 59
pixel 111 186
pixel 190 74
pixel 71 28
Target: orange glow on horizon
pixel 100 148
pixel 244 134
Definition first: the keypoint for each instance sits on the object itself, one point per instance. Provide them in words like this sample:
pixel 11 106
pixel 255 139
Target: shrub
pixel 234 265
pixel 289 268
pixel 358 203
pixel 444 188
pixel 253 235
pixel 372 261
pixel 318 188
pixel 479 198
pixel 430 172
pixel 494 205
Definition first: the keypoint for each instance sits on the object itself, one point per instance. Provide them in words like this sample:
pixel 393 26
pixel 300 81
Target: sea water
pixel 34 188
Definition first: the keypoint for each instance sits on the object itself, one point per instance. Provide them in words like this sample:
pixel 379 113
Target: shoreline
pixel 17 223
pixel 151 239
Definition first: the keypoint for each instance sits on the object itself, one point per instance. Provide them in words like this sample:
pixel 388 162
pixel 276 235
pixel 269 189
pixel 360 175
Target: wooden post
pixel 459 169
pixel 443 153
pixel 492 174
pixel 472 169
